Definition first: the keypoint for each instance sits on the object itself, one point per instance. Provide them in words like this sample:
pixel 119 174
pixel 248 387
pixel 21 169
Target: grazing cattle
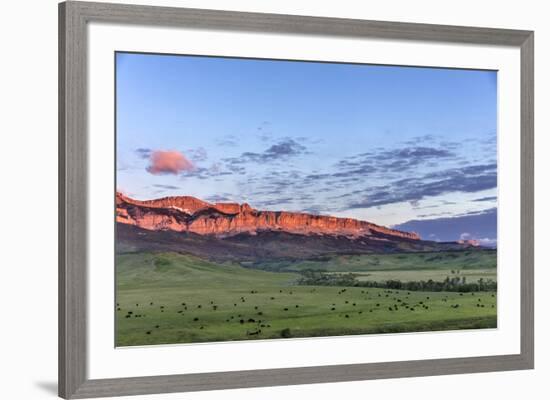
pixel 195 319
pixel 148 332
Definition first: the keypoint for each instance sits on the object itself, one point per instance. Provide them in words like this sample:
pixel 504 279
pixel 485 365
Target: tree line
pixel 454 284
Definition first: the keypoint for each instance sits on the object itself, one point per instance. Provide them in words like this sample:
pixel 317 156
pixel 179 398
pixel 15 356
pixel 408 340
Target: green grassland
pixel 446 260
pixel 174 298
pixel 471 275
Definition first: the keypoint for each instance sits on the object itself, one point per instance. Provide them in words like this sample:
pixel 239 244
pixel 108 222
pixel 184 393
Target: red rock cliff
pixel 189 214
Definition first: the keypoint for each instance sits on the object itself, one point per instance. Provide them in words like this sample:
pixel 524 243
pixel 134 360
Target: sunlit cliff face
pixel 189 214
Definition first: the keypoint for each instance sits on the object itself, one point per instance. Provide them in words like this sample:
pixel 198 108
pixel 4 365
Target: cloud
pixel 481 226
pixel 168 162
pixel 166 187
pixel 274 202
pixel 217 198
pixel 284 149
pixel 197 155
pixel 227 141
pixel 143 153
pixel 468 179
pixel 488 198
pixel 396 160
pixel 488 242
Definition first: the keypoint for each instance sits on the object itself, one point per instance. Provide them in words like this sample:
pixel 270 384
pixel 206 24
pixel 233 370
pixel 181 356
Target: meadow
pixel 176 298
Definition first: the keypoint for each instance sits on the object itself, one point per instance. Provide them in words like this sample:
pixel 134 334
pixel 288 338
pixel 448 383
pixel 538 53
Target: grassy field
pixel 471 275
pixel 446 260
pixel 175 298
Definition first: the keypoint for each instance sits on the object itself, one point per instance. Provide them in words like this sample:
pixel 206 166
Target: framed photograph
pixel 253 200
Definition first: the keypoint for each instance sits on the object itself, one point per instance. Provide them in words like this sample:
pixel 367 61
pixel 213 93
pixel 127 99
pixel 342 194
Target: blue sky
pixel 381 143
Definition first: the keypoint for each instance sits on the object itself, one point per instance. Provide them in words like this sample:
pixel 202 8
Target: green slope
pixel 175 298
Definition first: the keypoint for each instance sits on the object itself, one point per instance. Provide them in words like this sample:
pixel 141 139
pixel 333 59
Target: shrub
pixel 286 333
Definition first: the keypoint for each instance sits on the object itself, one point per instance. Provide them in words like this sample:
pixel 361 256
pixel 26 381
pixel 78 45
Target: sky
pixel 398 146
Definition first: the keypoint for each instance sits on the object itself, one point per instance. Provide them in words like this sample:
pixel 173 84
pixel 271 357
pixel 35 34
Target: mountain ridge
pixel 192 215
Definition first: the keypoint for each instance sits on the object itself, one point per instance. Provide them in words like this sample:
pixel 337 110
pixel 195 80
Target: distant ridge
pixel 192 215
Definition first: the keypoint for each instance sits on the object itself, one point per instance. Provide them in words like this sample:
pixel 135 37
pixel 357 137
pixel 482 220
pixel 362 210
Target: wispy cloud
pixel 197 155
pixel 488 198
pixel 228 141
pixel 284 149
pixel 166 187
pixel 143 152
pixel 468 179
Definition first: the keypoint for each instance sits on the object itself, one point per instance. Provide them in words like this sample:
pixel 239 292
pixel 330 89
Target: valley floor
pixel 174 298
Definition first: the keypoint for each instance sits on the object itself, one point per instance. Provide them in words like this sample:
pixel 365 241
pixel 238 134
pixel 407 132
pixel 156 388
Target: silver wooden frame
pixel 73 172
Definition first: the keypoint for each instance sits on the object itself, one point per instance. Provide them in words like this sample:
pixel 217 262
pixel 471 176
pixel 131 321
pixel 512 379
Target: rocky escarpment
pixel 189 214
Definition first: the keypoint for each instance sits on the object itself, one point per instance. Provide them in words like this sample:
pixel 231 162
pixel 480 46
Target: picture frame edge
pixel 72 203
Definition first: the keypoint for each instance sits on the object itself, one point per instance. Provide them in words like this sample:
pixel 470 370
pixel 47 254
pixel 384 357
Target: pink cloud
pixel 168 162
